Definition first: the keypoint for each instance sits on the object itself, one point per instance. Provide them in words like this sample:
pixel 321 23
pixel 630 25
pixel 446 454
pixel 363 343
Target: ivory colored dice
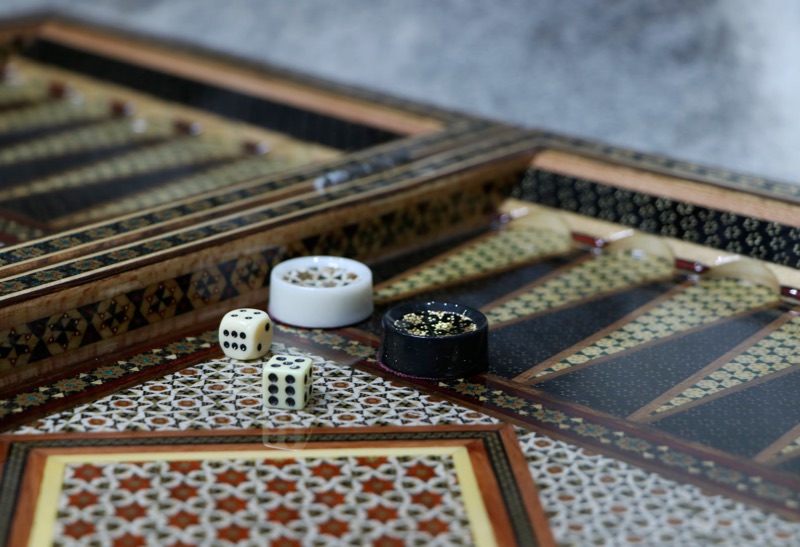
pixel 287 382
pixel 245 333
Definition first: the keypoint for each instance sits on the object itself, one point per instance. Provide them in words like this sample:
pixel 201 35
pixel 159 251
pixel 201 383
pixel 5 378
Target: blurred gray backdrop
pixel 709 81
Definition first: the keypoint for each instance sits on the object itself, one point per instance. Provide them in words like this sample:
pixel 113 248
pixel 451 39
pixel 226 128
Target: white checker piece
pixel 320 292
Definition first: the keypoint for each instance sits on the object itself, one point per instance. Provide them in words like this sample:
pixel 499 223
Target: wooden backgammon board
pixel 643 322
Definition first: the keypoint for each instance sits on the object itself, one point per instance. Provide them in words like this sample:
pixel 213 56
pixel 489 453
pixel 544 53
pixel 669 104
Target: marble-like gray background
pixel 710 81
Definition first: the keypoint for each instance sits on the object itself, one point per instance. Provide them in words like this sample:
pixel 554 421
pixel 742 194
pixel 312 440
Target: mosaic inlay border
pixel 759 239
pixel 45 337
pixel 496 443
pixel 29 404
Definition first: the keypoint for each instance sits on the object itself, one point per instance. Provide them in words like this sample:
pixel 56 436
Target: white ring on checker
pixel 320 292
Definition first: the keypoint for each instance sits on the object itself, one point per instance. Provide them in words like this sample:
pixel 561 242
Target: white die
pixel 245 333
pixel 287 381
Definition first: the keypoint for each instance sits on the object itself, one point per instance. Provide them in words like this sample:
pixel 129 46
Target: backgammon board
pixel 643 325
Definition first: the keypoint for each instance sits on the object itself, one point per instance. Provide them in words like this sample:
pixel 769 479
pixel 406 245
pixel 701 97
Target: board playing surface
pixel 621 354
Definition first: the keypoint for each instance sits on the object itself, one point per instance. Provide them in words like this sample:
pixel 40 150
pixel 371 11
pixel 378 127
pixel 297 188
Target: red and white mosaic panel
pixel 376 500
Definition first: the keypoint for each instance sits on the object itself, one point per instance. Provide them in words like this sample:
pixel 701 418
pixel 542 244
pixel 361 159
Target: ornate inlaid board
pixel 640 308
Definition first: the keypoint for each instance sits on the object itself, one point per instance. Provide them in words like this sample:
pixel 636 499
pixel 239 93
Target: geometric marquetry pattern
pixel 777 351
pixel 592 499
pixel 709 300
pixel 591 277
pixel 125 312
pixel 501 249
pixel 375 235
pixel 206 286
pixel 64 331
pixel 759 185
pixel 377 500
pixel 19 344
pixel 160 300
pixel 226 394
pixel 249 271
pixel 113 316
pixel 741 234
pixel 32 400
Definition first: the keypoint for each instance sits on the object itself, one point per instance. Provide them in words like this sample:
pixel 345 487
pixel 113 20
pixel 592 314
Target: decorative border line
pixel 73 328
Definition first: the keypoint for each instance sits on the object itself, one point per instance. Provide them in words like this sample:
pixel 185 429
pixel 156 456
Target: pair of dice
pixel 246 334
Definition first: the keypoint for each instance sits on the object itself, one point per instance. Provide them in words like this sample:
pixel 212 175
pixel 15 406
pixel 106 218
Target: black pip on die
pixel 245 333
pixel 287 381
